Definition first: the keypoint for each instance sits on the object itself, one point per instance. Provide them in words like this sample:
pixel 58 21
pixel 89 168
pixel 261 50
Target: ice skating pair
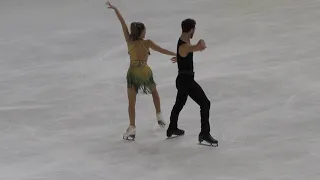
pixel 130 133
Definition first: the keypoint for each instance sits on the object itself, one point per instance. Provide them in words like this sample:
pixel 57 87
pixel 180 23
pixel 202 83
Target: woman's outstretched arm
pixel 156 47
pixel 123 23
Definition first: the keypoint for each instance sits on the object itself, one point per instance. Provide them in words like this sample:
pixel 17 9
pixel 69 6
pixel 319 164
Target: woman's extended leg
pixel 156 102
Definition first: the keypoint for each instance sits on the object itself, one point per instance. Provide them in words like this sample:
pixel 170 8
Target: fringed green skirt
pixel 140 77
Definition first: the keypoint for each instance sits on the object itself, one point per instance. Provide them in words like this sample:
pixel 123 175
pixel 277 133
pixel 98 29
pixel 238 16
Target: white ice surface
pixel 63 102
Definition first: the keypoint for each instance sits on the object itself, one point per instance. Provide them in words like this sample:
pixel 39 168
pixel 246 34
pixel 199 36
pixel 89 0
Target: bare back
pixel 138 50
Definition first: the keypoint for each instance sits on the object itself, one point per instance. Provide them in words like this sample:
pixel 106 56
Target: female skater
pixel 139 74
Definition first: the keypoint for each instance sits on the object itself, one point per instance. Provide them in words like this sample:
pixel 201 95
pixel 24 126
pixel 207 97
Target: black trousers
pixel 187 86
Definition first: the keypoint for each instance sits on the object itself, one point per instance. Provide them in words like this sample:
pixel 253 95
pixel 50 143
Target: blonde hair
pixel 136 29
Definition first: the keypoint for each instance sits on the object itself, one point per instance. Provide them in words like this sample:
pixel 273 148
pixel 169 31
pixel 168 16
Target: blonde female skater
pixel 139 74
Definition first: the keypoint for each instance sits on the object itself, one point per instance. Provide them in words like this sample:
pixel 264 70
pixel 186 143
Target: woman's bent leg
pixel 156 102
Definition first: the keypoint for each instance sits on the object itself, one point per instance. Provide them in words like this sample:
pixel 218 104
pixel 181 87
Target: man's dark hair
pixel 187 25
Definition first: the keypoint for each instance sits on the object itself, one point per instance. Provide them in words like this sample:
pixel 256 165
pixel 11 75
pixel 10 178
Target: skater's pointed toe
pixel 161 123
pixel 160 120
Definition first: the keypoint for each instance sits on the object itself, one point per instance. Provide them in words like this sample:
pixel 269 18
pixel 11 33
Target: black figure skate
pixel 209 139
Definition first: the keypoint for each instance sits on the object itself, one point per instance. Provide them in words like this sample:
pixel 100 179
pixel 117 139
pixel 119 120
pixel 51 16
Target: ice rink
pixel 63 101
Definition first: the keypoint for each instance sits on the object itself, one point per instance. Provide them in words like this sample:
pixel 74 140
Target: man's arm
pixel 187 48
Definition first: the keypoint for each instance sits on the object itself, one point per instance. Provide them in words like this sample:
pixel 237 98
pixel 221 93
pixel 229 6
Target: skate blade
pixel 208 144
pixel 130 138
pixel 174 136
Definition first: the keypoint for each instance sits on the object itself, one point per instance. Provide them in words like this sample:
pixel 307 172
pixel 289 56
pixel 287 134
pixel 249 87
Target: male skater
pixel 187 86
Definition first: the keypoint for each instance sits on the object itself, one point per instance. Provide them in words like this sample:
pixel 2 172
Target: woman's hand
pixel 110 6
pixel 122 21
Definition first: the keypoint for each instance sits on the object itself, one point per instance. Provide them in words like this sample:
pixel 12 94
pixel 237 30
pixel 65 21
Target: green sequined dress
pixel 140 77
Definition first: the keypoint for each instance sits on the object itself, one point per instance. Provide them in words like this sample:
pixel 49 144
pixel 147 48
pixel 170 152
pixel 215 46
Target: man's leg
pixel 181 100
pixel 198 95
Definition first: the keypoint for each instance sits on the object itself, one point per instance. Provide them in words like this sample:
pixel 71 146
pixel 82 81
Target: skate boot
pixel 176 132
pixel 160 120
pixel 208 138
pixel 130 133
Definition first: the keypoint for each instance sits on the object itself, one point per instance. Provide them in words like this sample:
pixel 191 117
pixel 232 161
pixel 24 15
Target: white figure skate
pixel 160 120
pixel 130 133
